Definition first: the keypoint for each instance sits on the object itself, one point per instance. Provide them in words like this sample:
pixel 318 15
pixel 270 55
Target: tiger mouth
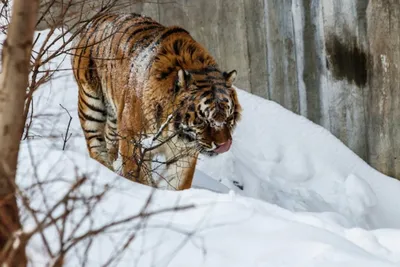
pixel 201 147
pixel 215 149
pixel 224 147
pixel 204 148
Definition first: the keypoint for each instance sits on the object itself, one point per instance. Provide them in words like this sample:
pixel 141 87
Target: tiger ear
pixel 230 77
pixel 185 79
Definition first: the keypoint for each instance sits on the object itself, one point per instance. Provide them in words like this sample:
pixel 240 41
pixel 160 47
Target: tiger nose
pixel 224 147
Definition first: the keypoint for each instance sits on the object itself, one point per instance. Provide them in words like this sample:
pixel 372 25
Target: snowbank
pixel 291 194
pixel 287 160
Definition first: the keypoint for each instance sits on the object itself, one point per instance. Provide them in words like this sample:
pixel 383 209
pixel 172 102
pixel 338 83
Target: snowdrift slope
pixel 287 160
pixel 291 194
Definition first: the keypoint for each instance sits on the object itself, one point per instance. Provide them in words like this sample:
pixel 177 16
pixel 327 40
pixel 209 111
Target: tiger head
pixel 209 109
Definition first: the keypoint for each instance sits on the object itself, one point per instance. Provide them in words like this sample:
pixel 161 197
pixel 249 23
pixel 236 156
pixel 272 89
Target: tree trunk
pixel 13 83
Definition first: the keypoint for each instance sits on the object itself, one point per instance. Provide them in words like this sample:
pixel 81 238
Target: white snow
pixel 307 200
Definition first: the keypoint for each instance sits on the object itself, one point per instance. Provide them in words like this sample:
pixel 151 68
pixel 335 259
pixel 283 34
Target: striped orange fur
pixel 138 79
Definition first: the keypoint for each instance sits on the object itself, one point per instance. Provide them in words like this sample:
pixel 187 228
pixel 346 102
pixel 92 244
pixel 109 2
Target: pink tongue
pixel 224 147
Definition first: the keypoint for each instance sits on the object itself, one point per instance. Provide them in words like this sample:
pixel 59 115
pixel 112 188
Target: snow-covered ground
pixel 288 193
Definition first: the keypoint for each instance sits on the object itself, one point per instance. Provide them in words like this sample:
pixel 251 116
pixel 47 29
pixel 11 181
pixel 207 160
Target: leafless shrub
pixel 66 221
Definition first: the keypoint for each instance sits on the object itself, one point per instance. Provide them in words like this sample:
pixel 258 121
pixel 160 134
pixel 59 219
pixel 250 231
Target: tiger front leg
pixel 135 165
pixel 180 172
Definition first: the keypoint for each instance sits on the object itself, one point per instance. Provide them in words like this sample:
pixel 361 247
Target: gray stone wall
pixel 335 62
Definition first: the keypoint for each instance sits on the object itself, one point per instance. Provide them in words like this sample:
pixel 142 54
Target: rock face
pixel 335 62
pixel 383 103
pixel 68 13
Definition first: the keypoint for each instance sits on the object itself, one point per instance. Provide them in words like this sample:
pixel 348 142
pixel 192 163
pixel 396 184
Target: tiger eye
pixel 187 117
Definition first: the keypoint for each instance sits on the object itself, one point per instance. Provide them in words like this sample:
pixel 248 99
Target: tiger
pixel 148 91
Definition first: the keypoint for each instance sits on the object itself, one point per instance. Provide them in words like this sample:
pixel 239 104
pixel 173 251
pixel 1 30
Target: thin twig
pixel 66 137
